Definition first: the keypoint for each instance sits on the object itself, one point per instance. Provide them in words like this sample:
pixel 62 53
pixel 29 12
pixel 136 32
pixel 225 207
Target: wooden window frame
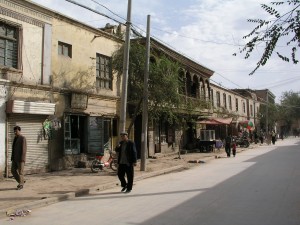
pixel 64 49
pixel 10 45
pixel 236 104
pixel 218 96
pixel 230 102
pixel 225 100
pixel 103 72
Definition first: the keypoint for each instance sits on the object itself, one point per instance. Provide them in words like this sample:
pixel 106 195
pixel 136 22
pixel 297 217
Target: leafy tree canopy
pixel 272 111
pixel 282 26
pixel 163 84
pixel 290 106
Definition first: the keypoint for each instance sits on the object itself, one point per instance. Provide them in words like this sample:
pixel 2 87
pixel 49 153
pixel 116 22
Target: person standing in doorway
pixel 228 145
pixel 18 156
pixel 127 158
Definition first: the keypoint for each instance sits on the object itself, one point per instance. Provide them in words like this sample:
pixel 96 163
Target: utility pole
pixel 122 126
pixel 145 102
pixel 267 117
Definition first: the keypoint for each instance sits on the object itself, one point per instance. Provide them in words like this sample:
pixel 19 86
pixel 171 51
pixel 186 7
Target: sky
pixel 206 31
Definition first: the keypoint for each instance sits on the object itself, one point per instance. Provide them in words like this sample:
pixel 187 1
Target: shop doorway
pixel 75 128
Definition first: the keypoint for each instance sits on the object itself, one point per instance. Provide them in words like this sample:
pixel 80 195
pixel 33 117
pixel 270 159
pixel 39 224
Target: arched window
pixel 224 101
pixel 202 89
pixel 188 84
pixel 182 80
pixel 195 87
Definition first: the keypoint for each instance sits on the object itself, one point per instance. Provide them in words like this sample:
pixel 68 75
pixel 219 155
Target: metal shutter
pixel 37 157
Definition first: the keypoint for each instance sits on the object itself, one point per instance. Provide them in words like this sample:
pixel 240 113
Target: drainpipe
pixel 6 149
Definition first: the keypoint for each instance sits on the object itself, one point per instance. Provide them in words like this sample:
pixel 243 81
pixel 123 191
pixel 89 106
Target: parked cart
pixel 206 141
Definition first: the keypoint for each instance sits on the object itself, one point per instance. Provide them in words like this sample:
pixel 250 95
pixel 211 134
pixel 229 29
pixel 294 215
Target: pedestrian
pixel 18 157
pixel 261 137
pixel 273 136
pixel 233 147
pixel 219 144
pixel 228 145
pixel 127 157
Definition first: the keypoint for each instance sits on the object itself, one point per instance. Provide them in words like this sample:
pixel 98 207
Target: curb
pixel 82 192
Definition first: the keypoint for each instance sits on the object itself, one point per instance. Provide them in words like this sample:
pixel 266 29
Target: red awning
pixel 244 122
pixel 216 121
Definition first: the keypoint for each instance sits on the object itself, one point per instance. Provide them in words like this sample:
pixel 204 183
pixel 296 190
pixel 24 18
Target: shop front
pixel 85 134
pixel 30 116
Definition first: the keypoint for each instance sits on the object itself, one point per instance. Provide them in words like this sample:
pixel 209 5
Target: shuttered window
pixel 8 45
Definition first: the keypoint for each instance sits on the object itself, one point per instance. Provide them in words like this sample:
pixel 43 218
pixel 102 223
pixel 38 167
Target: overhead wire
pixel 168 45
pixel 171 47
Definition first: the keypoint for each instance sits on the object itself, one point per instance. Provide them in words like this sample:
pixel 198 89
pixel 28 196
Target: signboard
pixel 79 101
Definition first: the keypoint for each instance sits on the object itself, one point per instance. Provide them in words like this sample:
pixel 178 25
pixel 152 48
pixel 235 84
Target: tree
pixel 272 116
pixel 289 109
pixel 281 27
pixel 163 82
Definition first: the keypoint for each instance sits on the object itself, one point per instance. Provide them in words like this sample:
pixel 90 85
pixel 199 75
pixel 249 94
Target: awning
pixel 216 121
pixel 41 108
pixel 247 124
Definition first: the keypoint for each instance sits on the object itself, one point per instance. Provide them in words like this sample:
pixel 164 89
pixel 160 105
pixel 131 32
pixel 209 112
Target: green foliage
pixel 273 115
pixel 163 83
pixel 270 32
pixel 290 107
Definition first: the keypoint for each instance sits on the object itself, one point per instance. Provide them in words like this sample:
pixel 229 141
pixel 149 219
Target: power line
pixel 108 9
pixel 168 45
pixel 95 11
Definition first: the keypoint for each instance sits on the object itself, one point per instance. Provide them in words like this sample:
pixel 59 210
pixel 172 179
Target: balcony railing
pixel 197 105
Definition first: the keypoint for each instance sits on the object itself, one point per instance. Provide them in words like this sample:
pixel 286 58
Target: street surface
pixel 260 186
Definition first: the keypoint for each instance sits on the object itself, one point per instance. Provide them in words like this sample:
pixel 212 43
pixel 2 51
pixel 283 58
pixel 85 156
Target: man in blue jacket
pixel 127 160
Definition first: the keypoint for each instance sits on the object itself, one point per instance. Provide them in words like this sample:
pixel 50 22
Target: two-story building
pixel 164 137
pixel 232 111
pixel 24 72
pixel 57 84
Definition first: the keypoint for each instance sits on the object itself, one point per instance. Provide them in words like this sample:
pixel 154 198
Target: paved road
pixel 258 187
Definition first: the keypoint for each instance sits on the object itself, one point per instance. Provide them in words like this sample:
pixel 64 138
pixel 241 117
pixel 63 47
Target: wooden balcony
pixel 197 105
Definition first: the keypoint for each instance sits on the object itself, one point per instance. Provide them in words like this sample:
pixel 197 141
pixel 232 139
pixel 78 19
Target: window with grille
pixel 65 49
pixel 103 72
pixel 8 45
pixel 236 104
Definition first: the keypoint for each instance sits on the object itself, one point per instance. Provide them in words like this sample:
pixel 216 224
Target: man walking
pixel 127 160
pixel 228 145
pixel 18 157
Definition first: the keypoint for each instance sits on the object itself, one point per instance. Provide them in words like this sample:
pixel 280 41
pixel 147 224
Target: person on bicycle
pixel 127 158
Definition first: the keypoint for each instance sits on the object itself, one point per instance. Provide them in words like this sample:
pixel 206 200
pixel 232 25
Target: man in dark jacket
pixel 18 157
pixel 228 141
pixel 127 160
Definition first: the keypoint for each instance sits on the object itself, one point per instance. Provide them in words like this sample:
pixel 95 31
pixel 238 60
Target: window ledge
pixel 9 73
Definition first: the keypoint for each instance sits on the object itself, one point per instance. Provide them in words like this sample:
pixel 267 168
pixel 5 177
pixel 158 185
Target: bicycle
pixel 98 164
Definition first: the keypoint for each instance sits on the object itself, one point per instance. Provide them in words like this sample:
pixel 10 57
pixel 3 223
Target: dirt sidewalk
pixel 48 188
